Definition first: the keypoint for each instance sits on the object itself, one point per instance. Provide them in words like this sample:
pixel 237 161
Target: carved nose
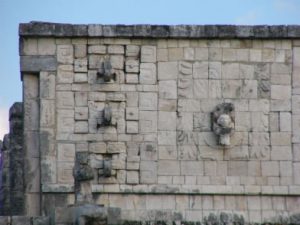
pixel 224 120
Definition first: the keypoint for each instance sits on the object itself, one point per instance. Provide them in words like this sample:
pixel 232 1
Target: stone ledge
pixel 46 29
pixel 178 190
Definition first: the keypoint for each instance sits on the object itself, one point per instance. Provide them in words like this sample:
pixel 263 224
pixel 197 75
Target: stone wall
pixel 156 155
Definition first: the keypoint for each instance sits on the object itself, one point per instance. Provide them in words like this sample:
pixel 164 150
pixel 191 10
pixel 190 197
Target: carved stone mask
pixel 223 122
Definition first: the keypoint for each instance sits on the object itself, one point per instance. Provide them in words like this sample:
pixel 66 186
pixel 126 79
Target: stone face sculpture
pixel 106 71
pixel 223 122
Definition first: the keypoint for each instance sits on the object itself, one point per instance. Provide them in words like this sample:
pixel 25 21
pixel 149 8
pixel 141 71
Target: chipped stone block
pixel 167 89
pixel 148 53
pixel 132 66
pixel 148 151
pixel 148 73
pixel 80 51
pixel 132 127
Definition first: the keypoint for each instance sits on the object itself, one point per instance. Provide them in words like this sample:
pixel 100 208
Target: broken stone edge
pixel 46 29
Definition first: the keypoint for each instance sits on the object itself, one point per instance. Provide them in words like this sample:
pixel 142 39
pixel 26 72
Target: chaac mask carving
pixel 223 122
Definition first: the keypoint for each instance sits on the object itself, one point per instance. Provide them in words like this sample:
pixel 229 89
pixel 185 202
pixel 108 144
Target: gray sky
pixel 13 12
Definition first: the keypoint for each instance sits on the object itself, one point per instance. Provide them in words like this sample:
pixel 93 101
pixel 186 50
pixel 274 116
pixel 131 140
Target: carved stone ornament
pixel 105 119
pixel 106 71
pixel 223 122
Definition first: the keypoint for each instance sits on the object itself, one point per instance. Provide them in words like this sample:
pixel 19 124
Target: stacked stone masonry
pixel 163 153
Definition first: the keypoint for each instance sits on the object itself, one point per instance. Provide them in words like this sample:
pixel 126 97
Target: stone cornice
pixel 45 29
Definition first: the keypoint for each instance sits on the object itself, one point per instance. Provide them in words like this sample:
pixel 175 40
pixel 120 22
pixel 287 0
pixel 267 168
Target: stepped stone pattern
pixel 195 124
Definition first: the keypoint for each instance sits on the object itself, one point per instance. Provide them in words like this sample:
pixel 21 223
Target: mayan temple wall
pixel 138 101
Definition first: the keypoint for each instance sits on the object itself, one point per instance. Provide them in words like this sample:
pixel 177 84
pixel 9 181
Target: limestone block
pixel 81 127
pixel 281 68
pixel 168 167
pixel 81 98
pixel 97 147
pixel 47 113
pixel 167 121
pixel 200 88
pixel 148 151
pixel 191 168
pixel 132 50
pixel 296 168
pixel 132 127
pixel 255 55
pixel 80 51
pixel 268 55
pixel 175 54
pixel 202 121
pixel 184 121
pixel 230 71
pixel 281 153
pixel 116 147
pixel 132 113
pixel 162 55
pixel 249 89
pixel 132 177
pixel 132 66
pixel 214 89
pixel 270 168
pixel 214 70
pixel 115 49
pixel 46 46
pixel 132 78
pixel 280 92
pixel 31 113
pixel 133 165
pixel 80 78
pixel 148 73
pixel 246 71
pixel 166 137
pixel 200 70
pixel 185 69
pixel 117 61
pixel 80 65
pixel 260 105
pixel 47 85
pixel 280 105
pixel 189 53
pixel 214 54
pixel 167 152
pixel 274 121
pixel 201 54
pixel 188 105
pixel 148 121
pixel 229 54
pixel 242 54
pixel 237 168
pixel 81 113
pixel 148 53
pixel 259 138
pixel 66 152
pixel 285 121
pixel 148 172
pixel 148 101
pixel 242 121
pixel 167 105
pixel 65 121
pixel 65 173
pixel 167 89
pixel 260 121
pixel 65 54
pixel 185 88
pixel 65 99
pixel 231 88
pixel 259 152
pixel 97 49
pixel 167 70
pixel 29 46
pixel 65 74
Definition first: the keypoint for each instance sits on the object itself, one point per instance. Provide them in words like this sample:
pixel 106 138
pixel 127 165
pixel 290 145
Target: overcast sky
pixel 13 12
